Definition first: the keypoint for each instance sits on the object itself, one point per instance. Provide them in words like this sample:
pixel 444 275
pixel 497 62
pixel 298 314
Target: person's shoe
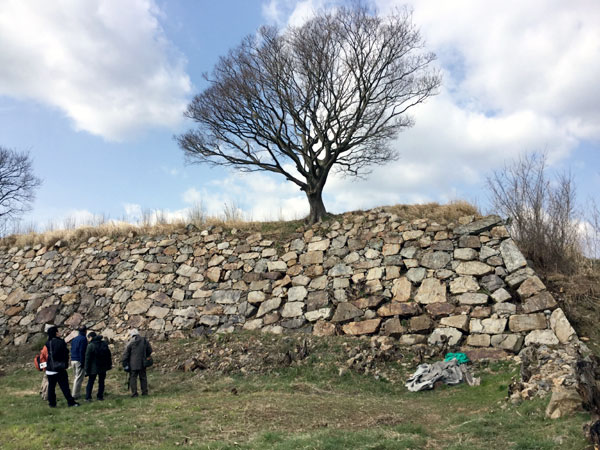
pixel 52 406
pixel 100 399
pixel 144 394
pixel 134 395
pixel 74 404
pixel 89 400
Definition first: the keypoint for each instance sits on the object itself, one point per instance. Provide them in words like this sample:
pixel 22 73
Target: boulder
pixel 565 401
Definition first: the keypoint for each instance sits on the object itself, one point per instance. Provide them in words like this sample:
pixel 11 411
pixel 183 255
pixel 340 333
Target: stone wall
pixel 365 273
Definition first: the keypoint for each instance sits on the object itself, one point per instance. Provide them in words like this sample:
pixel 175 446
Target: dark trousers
pixel 90 386
pixel 143 381
pixel 62 379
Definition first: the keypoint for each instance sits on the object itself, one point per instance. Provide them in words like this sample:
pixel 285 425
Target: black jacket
pixel 58 354
pixel 98 358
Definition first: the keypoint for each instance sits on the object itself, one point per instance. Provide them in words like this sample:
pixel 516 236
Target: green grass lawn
pixel 299 407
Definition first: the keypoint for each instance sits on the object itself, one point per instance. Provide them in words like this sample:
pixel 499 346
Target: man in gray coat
pixel 134 358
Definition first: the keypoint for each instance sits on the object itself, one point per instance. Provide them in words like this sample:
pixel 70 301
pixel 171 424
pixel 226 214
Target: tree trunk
pixel 317 208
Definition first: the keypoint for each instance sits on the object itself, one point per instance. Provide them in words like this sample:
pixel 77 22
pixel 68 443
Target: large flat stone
pixel 393 327
pixel 399 309
pixel 561 326
pixel 461 322
pixel 435 260
pixel 460 285
pixel 527 322
pixel 530 286
pixel 445 334
pixel 363 327
pixel 431 290
pixel 478 340
pixel 478 226
pixel 511 342
pixel 472 298
pixel 138 307
pixel 512 256
pixel 539 302
pixel 487 326
pixel 346 311
pixel 440 309
pixel 268 305
pixel 226 297
pixel 541 337
pixel 401 289
pixel 473 268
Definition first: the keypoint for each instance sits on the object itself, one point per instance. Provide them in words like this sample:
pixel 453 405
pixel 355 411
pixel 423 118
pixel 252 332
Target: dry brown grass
pixel 441 214
pixel 73 237
pixel 579 295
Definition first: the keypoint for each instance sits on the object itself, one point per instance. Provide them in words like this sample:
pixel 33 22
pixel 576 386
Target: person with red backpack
pixel 56 368
pixel 98 360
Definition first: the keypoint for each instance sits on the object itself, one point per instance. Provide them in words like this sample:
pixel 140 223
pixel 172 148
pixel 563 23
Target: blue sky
pixel 95 90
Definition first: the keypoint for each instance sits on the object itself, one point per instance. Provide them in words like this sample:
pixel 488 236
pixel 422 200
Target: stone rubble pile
pixel 368 273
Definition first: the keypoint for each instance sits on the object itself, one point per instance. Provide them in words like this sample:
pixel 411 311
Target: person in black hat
pixel 56 369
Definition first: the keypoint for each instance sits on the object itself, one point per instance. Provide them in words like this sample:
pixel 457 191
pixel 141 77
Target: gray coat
pixel 137 350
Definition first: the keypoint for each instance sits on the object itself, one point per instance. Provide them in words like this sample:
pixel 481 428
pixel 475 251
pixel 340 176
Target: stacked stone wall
pixel 462 283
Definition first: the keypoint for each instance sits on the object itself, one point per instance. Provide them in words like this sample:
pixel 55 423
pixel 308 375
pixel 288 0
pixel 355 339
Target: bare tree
pixel 17 184
pixel 542 211
pixel 327 95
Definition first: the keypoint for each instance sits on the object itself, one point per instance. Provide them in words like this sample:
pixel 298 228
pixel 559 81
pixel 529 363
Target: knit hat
pixel 52 332
pixel 92 335
pixel 134 332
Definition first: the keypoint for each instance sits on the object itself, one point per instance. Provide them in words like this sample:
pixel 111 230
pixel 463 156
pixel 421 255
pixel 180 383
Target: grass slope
pixel 306 406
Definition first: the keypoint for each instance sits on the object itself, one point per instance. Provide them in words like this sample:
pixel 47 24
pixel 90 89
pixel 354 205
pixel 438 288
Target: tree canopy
pixel 328 95
pixel 17 184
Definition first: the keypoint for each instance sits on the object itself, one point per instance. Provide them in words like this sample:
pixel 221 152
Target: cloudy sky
pixel 95 91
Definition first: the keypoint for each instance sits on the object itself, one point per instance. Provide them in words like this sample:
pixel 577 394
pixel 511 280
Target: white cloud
pixel 106 64
pixel 518 77
pixel 133 211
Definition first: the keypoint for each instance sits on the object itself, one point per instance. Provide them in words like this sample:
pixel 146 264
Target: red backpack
pixel 40 360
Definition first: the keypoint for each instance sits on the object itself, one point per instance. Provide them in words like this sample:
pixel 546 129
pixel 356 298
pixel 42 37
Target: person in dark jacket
pixel 56 369
pixel 98 360
pixel 78 348
pixel 134 359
